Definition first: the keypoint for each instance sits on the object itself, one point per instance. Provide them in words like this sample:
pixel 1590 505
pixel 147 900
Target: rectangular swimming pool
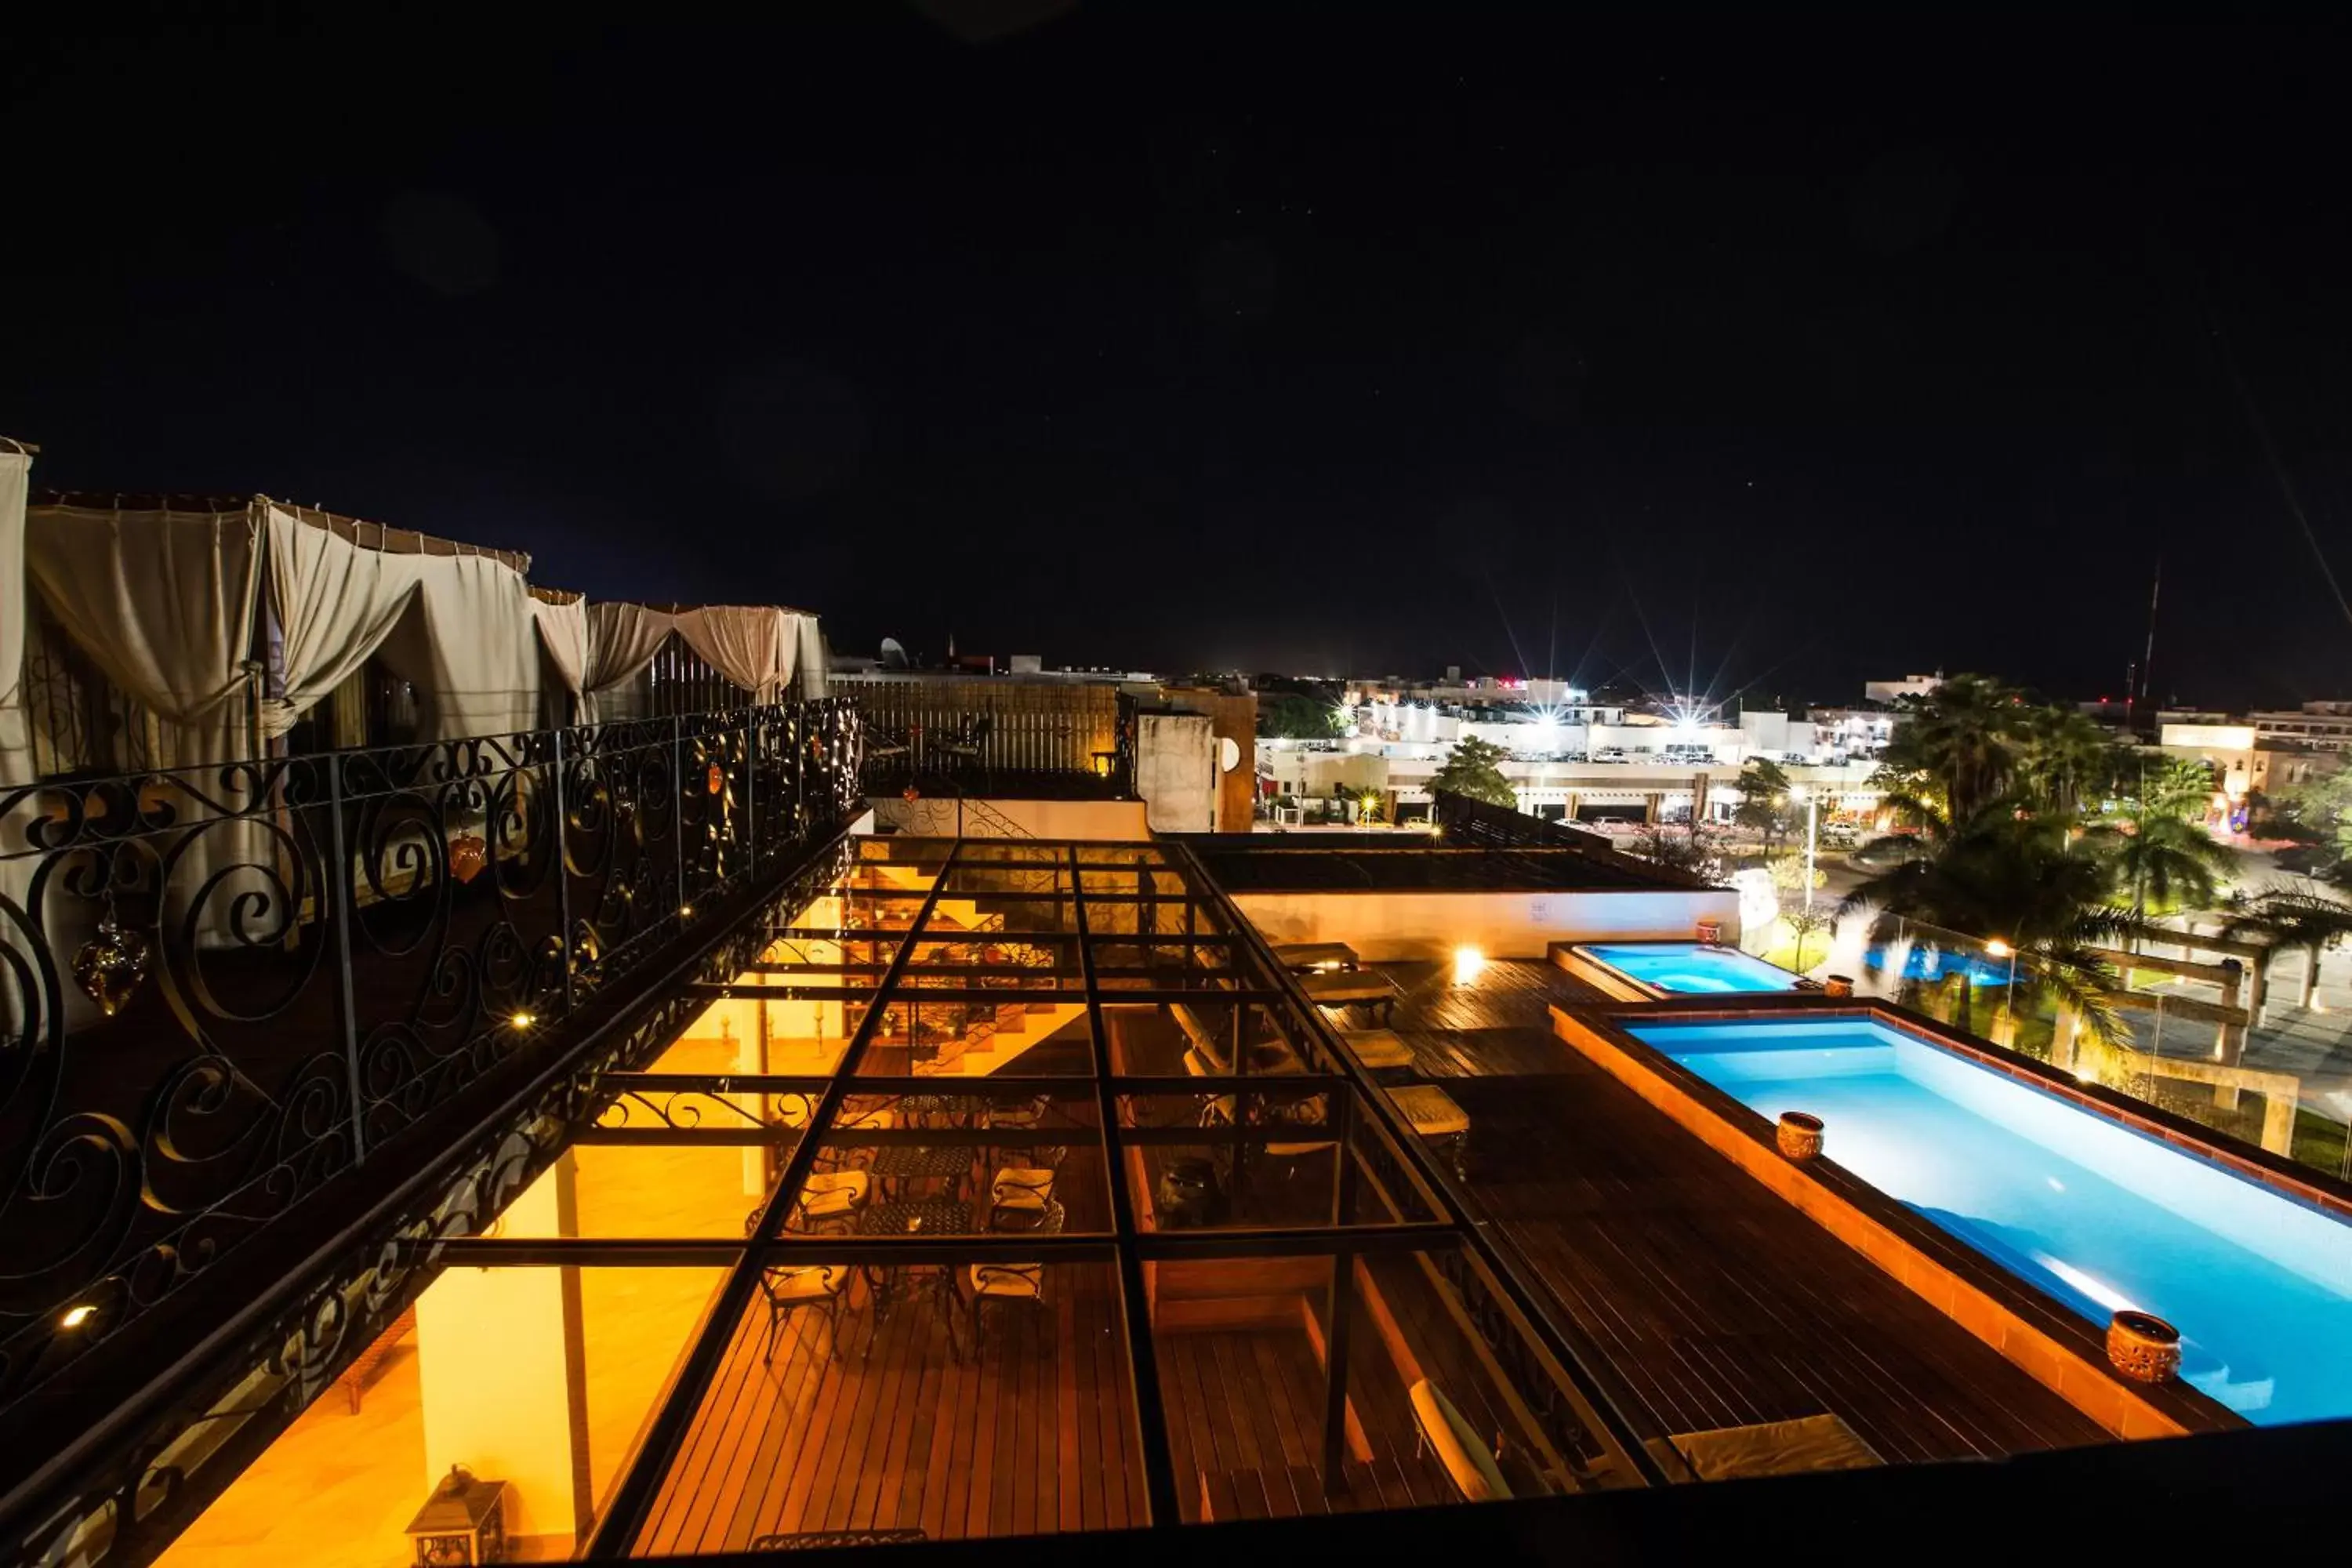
pixel 1687 968
pixel 2095 1214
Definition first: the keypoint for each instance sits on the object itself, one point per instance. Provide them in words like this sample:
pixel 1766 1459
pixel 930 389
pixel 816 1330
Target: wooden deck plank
pixel 1711 1302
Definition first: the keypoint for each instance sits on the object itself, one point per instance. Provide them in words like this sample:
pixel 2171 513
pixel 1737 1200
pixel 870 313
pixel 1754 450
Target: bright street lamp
pixel 1812 806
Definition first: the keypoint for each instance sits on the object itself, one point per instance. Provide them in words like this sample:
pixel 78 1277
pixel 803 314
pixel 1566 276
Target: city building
pixel 842 1118
pixel 1890 692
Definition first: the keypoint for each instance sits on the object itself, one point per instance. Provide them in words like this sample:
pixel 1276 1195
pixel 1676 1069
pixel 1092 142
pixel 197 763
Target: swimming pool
pixel 1936 965
pixel 1686 967
pixel 2097 1214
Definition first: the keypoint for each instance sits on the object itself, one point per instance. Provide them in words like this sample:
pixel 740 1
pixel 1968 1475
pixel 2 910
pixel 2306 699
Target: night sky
pixel 1184 337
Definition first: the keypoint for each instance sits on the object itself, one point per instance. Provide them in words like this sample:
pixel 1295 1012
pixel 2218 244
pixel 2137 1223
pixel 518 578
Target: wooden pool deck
pixel 1706 1300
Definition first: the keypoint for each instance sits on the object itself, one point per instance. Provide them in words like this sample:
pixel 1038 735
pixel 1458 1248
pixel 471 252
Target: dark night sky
pixel 1183 336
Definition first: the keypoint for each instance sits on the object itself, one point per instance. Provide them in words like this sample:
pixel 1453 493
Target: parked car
pixel 1886 854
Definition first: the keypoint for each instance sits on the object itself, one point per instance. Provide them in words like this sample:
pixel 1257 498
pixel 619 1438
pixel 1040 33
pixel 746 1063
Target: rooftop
pixel 1333 862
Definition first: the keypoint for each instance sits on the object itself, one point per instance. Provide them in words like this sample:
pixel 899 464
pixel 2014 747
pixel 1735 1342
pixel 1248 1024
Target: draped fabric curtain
pixel 163 603
pixel 469 647
pixel 16 756
pixel 563 633
pixel 812 658
pixel 335 602
pixel 623 640
pixel 752 645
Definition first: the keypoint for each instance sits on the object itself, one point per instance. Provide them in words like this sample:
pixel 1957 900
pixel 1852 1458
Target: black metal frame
pixel 1377 1149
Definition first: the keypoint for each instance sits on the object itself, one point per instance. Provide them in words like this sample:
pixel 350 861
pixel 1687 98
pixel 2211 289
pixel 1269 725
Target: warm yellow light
pixel 685 909
pixel 74 1317
pixel 1467 962
pixel 520 1020
pixel 1998 948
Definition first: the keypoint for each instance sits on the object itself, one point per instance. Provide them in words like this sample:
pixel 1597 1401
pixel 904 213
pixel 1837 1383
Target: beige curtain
pixel 469 646
pixel 336 603
pixel 752 645
pixel 15 753
pixel 623 640
pixel 563 632
pixel 811 659
pixel 163 602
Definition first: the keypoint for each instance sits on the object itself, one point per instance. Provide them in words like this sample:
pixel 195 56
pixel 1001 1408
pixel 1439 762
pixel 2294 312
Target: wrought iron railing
pixel 962 741
pixel 225 988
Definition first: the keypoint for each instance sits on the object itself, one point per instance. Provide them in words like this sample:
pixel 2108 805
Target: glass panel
pixel 559 1368
pixel 969 1041
pixel 951 1162
pixel 676 1188
pixel 960 1400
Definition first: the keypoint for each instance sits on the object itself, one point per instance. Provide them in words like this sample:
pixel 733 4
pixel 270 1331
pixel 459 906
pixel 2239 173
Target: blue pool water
pixel 1936 965
pixel 2097 1214
pixel 1686 966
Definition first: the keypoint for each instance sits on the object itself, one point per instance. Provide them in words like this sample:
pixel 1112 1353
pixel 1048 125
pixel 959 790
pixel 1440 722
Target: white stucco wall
pixel 1383 926
pixel 1176 770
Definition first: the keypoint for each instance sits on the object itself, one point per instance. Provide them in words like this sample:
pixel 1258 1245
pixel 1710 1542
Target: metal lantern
pixel 464 1522
pixel 110 966
pixel 467 856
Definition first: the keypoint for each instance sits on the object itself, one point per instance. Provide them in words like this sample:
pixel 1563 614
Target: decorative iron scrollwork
pixel 222 988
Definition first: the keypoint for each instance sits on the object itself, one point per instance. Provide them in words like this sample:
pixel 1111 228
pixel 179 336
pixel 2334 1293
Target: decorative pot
pixel 1710 933
pixel 1798 1134
pixel 1839 984
pixel 2143 1347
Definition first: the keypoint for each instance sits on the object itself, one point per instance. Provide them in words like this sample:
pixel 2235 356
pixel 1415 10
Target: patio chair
pixel 1008 1285
pixel 817 1287
pixel 1468 1463
pixel 833 1198
pixel 969 751
pixel 1017 1197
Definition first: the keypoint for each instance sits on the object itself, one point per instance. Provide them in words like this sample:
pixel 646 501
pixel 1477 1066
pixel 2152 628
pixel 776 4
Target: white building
pixel 1909 686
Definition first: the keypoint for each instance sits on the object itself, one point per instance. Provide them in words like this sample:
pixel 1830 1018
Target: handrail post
pixel 751 788
pixel 678 800
pixel 562 875
pixel 339 877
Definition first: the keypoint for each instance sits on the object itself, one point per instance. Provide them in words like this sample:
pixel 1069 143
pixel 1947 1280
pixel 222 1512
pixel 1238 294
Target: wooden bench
pixel 1437 1118
pixel 1340 988
pixel 1376 1050
pixel 1299 957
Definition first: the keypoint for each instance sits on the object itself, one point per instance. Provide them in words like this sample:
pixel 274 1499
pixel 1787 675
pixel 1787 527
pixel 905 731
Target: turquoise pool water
pixel 2097 1214
pixel 1686 966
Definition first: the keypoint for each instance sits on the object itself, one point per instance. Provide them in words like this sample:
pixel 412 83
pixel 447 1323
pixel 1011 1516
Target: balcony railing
pixel 227 987
pixel 973 738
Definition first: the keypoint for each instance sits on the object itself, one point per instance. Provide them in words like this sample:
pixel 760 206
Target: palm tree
pixel 2036 882
pixel 1961 740
pixel 2165 863
pixel 2064 758
pixel 2288 917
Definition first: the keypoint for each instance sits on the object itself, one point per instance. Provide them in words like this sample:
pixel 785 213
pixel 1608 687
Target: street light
pixel 1996 948
pixel 1798 792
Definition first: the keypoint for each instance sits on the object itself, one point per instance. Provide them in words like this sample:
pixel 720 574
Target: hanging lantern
pixel 111 965
pixel 718 778
pixel 467 856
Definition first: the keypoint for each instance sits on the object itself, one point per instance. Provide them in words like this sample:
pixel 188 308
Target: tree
pixel 2063 761
pixel 1293 715
pixel 1692 853
pixel 1960 746
pixel 2163 863
pixel 1475 769
pixel 2036 882
pixel 1764 803
pixel 2286 917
